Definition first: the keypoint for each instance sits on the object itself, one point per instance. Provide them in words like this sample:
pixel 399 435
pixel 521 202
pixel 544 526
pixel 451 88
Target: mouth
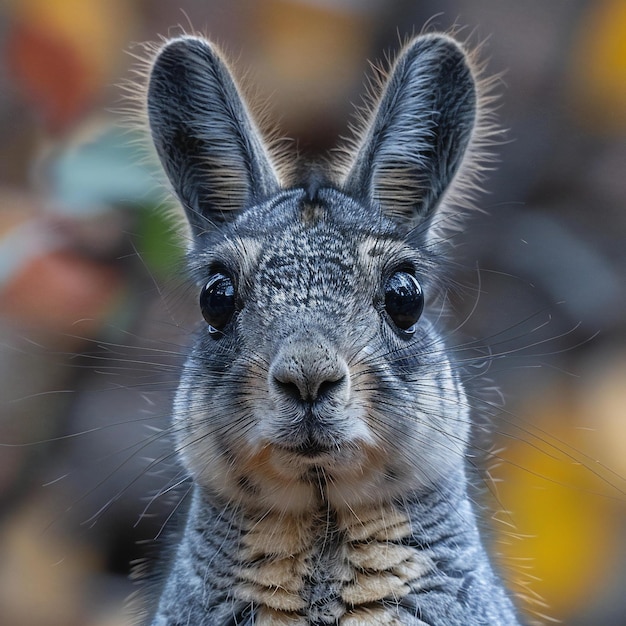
pixel 318 440
pixel 309 449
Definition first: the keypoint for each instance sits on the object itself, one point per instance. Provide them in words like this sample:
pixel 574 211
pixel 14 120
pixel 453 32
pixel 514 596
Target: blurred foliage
pixel 62 54
pixel 102 168
pixel 598 67
pixel 563 516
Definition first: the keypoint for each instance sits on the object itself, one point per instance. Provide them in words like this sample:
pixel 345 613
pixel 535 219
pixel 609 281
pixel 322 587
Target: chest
pixel 332 568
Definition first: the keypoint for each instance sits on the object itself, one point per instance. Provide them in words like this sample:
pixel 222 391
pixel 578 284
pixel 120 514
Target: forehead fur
pixel 297 253
pixel 329 232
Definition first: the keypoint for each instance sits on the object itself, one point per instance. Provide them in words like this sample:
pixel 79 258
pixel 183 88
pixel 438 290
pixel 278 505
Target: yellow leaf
pixel 598 67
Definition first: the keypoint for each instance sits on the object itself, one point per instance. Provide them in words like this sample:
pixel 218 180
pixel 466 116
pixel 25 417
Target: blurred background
pixel 93 318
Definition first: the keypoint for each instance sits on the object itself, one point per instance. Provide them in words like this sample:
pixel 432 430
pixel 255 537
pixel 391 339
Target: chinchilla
pixel 320 413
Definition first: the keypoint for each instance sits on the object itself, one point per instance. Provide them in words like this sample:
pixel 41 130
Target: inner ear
pixel 418 131
pixel 208 144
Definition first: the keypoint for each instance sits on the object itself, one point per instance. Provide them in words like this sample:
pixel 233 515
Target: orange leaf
pixel 48 70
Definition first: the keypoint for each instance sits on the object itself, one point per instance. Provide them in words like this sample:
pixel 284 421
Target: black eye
pixel 217 301
pixel 404 300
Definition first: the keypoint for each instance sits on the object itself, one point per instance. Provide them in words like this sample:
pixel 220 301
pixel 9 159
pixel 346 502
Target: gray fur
pixel 327 447
pixel 216 163
pixel 419 132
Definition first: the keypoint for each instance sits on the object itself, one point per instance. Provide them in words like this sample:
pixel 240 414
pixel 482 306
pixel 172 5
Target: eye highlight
pixel 404 300
pixel 217 301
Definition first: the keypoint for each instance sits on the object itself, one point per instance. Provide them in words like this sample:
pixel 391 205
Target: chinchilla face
pixel 317 365
pixel 318 372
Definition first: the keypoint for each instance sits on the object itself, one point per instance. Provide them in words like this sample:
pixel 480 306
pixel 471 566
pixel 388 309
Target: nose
pixel 309 371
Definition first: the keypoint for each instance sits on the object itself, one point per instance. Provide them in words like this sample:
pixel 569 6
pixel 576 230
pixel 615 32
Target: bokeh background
pixel 93 318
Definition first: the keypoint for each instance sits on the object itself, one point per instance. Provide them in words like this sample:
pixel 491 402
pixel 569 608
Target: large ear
pixel 204 135
pixel 418 132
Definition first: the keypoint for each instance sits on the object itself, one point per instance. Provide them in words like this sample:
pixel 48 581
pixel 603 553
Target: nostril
pixel 328 387
pixel 289 389
pixel 306 388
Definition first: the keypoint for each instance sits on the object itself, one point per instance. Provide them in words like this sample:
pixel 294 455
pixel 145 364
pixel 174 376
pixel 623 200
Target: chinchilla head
pixel 319 371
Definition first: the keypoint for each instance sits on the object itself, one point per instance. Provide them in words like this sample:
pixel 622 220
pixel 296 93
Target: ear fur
pixel 204 135
pixel 417 134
